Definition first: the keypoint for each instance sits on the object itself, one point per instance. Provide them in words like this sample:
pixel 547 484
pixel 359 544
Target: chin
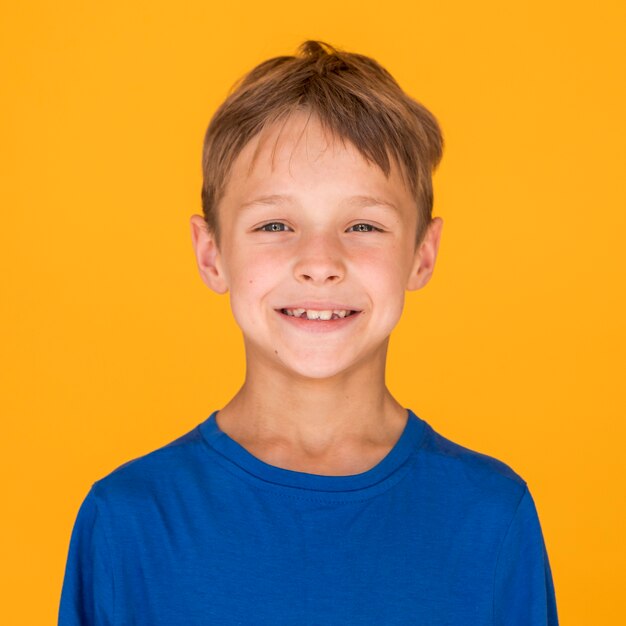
pixel 319 371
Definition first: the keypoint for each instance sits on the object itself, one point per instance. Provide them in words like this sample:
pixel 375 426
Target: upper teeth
pixel 315 315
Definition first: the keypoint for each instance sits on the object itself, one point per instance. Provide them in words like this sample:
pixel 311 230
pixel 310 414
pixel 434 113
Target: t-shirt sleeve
pixel 524 589
pixel 87 594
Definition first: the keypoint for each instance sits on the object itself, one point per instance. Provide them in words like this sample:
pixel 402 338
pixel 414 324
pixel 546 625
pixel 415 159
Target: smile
pixel 318 321
pixel 313 314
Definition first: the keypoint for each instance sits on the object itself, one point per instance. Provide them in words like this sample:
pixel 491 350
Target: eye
pixel 368 228
pixel 272 227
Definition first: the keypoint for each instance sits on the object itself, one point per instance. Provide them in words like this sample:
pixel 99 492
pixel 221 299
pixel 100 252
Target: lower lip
pixel 319 326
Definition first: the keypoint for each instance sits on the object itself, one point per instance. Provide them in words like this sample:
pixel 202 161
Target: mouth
pixel 318 321
pixel 318 315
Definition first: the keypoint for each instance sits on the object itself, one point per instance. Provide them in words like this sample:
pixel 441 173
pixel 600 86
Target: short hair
pixel 351 95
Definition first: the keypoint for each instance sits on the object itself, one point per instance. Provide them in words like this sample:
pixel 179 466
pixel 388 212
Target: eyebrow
pixel 358 201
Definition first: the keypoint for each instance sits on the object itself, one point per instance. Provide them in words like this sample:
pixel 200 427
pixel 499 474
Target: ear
pixel 425 256
pixel 208 256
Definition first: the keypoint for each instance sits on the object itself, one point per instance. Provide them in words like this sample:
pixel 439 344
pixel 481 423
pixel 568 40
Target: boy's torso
pixel 202 533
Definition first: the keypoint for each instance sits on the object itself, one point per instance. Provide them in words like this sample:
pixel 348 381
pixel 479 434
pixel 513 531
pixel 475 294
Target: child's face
pixel 307 233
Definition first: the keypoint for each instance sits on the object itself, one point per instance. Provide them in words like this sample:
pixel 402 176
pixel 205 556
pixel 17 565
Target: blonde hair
pixel 352 96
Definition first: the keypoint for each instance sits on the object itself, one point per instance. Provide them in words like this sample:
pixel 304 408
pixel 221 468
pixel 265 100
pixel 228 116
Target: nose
pixel 319 260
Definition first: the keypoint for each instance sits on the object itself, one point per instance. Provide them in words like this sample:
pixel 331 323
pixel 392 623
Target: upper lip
pixel 320 306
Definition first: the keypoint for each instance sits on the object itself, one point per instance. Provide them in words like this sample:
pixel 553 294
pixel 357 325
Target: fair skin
pixel 297 233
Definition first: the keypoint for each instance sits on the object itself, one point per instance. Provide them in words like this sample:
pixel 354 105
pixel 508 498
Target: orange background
pixel 112 346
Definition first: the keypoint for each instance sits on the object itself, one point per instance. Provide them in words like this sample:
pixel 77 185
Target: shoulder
pixel 470 473
pixel 471 460
pixel 158 471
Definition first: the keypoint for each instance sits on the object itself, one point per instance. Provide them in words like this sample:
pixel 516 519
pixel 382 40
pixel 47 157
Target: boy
pixel 313 497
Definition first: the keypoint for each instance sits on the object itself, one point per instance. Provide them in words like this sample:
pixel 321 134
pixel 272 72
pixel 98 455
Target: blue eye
pixel 369 226
pixel 272 228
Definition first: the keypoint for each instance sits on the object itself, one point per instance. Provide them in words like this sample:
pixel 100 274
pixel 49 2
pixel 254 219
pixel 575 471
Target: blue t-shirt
pixel 201 532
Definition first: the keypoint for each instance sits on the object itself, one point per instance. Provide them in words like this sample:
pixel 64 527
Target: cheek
pixel 384 273
pixel 384 276
pixel 253 279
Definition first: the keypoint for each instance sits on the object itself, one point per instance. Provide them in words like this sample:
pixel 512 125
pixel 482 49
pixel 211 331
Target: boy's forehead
pixel 297 132
pixel 299 153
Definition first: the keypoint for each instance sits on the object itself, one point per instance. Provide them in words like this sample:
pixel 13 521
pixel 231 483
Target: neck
pixel 311 416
